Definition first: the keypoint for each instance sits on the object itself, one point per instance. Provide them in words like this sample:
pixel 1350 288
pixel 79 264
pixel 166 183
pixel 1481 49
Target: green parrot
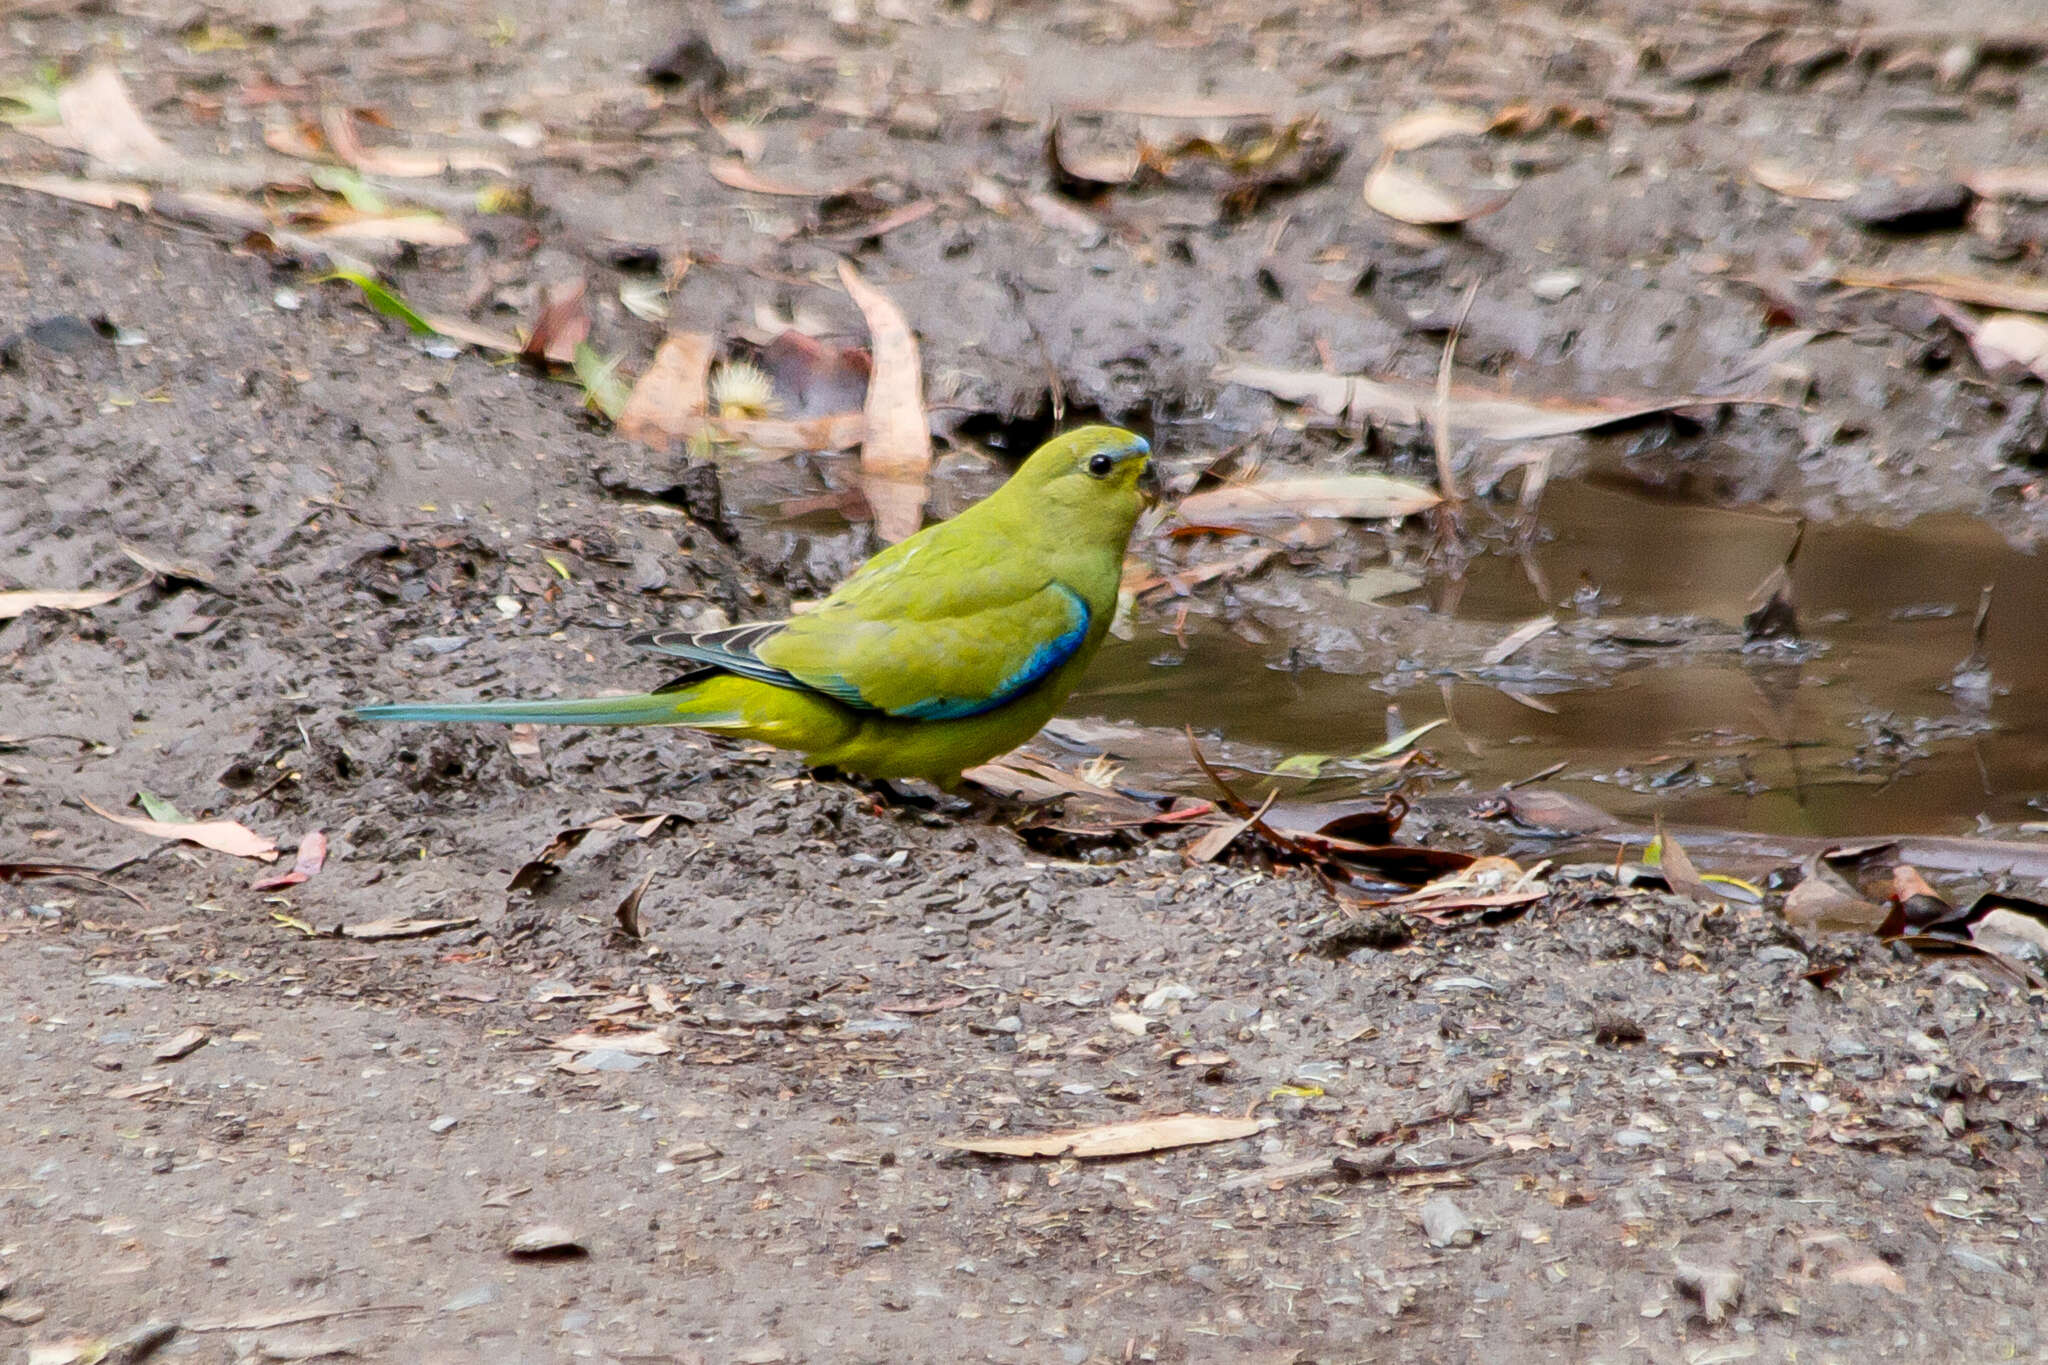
pixel 939 653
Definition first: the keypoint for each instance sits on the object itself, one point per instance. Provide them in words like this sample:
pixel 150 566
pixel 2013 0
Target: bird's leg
pixel 881 788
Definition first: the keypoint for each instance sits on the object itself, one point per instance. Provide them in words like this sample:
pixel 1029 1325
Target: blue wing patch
pixel 1043 662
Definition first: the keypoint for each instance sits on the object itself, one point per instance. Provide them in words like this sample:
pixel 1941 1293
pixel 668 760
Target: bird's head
pixel 1090 473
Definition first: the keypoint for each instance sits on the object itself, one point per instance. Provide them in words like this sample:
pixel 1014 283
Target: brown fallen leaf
pixel 667 403
pixel 640 1044
pixel 406 229
pixel 737 175
pixel 896 453
pixel 1683 878
pixel 100 194
pixel 399 163
pixel 1781 178
pixel 13 604
pixel 628 911
pixel 2018 295
pixel 11 872
pixel 1515 640
pixel 1825 903
pixel 311 858
pixel 472 334
pixel 226 836
pixel 563 325
pixel 1356 497
pixel 1474 412
pixel 182 1044
pixel 398 926
pixel 1117 1139
pixel 1408 197
pixel 781 435
pixel 97 117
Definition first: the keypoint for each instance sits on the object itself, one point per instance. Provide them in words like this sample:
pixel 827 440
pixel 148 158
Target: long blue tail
pixel 647 708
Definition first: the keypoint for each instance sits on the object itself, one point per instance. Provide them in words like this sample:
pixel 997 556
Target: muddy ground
pixel 1658 1141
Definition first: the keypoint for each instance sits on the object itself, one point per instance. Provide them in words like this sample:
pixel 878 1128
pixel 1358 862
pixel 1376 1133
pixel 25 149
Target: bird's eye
pixel 1100 465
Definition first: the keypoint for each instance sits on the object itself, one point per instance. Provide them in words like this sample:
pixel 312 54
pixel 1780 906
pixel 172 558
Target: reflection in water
pixel 1862 736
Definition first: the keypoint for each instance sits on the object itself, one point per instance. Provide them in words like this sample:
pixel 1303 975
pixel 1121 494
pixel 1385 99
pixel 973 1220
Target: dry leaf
pixel 667 403
pixel 1780 178
pixel 563 325
pixel 100 194
pixel 400 163
pixel 312 856
pixel 13 604
pixel 1473 412
pixel 780 435
pixel 2014 294
pixel 738 175
pixel 1117 1139
pixel 896 454
pixel 1415 131
pixel 412 229
pixel 1360 497
pixel 649 1044
pixel 1824 903
pixel 400 927
pixel 97 118
pixel 227 836
pixel 1683 878
pixel 1407 197
pixel 472 334
pixel 628 911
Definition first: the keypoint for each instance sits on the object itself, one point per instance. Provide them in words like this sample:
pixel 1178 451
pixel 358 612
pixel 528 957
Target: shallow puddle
pixel 1863 734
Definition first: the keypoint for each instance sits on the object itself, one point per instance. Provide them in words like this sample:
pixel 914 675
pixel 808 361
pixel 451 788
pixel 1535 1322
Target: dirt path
pixel 1623 1096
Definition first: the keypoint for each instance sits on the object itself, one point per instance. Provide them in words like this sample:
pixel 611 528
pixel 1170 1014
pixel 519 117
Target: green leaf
pixel 1307 765
pixel 603 389
pixel 160 809
pixel 1401 741
pixel 383 300
pixel 358 193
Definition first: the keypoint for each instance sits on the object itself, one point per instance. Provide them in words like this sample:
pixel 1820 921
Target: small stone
pixel 442 1124
pixel 22 1314
pixel 183 1044
pixel 1556 284
pixel 547 1241
pixel 1009 1023
pixel 1632 1137
pixel 1936 207
pixel 1446 1225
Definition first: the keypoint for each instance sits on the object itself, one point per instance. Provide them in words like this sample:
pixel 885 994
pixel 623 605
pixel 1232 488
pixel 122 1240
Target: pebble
pixel 424 646
pixel 1556 284
pixel 443 1123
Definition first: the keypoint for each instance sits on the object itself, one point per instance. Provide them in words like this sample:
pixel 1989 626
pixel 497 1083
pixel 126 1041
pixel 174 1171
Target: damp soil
pixel 1675 1133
